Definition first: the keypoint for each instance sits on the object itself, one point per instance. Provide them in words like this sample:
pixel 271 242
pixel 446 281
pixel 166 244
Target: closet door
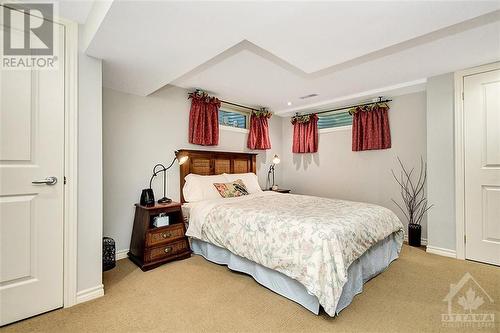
pixel 31 213
pixel 482 166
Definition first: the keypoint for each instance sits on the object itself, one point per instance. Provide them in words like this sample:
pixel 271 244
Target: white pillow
pixel 198 187
pixel 249 179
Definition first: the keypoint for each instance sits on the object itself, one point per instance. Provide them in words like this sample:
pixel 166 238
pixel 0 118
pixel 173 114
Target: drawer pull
pixel 166 235
pixel 168 249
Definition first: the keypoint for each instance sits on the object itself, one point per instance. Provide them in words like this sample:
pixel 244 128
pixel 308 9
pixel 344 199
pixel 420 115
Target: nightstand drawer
pixel 164 235
pixel 166 251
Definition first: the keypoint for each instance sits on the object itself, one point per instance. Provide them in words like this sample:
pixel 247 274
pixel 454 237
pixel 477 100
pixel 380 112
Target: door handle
pixel 48 181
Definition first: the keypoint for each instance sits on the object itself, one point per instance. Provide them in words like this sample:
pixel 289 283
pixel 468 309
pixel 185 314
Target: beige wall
pixel 139 132
pixel 90 198
pixel 441 161
pixel 338 172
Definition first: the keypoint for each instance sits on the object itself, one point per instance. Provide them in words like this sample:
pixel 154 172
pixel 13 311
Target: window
pixel 233 119
pixel 332 120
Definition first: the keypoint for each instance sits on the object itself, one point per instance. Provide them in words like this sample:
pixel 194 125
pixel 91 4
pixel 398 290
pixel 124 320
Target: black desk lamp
pixel 161 168
pixel 276 160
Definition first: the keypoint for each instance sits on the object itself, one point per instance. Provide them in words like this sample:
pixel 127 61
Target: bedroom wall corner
pixel 89 247
pixel 441 162
pixel 139 132
pixel 338 172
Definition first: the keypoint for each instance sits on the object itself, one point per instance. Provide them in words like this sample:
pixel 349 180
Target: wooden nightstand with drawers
pixel 152 246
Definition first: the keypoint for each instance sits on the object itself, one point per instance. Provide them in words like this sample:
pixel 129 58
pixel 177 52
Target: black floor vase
pixel 414 234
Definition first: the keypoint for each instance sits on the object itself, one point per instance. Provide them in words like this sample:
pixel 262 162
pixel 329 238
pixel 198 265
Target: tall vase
pixel 414 234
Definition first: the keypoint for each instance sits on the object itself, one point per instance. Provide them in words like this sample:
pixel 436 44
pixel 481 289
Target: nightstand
pixel 150 246
pixel 280 190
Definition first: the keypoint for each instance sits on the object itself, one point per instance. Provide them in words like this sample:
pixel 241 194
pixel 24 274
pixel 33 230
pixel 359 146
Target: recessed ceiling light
pixel 289 103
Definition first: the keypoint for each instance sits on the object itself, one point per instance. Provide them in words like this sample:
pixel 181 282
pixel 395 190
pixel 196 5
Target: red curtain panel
pixel 305 135
pixel 370 128
pixel 258 138
pixel 204 120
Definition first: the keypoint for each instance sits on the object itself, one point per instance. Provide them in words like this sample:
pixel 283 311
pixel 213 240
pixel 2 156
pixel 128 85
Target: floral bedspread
pixel 310 239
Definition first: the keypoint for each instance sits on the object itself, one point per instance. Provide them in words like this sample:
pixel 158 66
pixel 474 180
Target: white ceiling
pixel 74 10
pixel 269 53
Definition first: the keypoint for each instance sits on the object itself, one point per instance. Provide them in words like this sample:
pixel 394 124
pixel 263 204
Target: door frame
pixel 460 153
pixel 70 162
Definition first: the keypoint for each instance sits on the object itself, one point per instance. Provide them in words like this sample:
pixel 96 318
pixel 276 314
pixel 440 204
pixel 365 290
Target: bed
pixel 315 251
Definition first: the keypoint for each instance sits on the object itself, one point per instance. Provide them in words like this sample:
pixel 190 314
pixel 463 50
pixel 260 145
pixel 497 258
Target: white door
pixel 31 215
pixel 482 166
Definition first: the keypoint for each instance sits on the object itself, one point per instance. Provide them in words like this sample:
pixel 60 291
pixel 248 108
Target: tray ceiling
pixel 272 53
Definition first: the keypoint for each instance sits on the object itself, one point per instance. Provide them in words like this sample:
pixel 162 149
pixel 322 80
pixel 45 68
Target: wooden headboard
pixel 202 162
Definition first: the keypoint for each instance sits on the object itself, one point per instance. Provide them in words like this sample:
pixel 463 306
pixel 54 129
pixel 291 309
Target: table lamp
pixel 159 168
pixel 276 160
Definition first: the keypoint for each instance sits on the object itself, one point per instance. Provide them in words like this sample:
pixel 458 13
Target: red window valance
pixel 370 127
pixel 204 119
pixel 258 138
pixel 305 134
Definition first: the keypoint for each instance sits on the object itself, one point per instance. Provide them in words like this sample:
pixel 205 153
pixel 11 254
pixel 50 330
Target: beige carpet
pixel 197 296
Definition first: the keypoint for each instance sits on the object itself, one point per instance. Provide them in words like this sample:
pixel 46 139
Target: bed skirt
pixel 371 263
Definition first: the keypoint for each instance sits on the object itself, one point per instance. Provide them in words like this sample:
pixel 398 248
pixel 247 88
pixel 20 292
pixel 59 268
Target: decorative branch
pixel 305 118
pixel 415 204
pixel 263 112
pixel 368 107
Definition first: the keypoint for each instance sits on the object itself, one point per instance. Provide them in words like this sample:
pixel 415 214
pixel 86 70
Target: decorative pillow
pixel 249 179
pixel 232 189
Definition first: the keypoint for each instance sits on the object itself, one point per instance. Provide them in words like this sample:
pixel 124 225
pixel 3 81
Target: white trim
pixel 335 129
pixel 460 154
pixel 441 252
pixel 234 129
pixel 70 162
pixel 122 254
pixel 90 294
pixel 459 169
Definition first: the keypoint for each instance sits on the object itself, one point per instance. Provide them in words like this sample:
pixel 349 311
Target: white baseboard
pixel 423 241
pixel 122 254
pixel 89 294
pixel 442 252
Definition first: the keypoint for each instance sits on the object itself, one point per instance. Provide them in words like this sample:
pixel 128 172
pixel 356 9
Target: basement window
pixel 234 119
pixel 334 120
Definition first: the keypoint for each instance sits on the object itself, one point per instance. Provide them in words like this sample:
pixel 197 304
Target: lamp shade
pixel 182 159
pixel 276 159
